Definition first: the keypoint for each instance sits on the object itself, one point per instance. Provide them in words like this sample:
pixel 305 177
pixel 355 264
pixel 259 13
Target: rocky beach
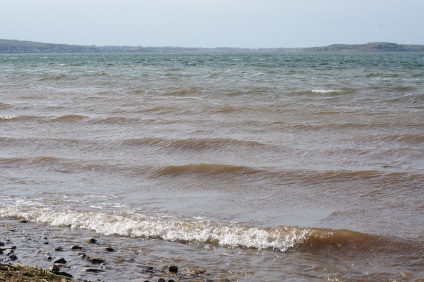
pixel 52 256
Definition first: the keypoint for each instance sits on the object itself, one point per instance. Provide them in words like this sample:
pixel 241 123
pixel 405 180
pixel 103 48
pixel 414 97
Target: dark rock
pixel 170 280
pixel 161 280
pixel 58 249
pixel 110 249
pixel 1 244
pixel 61 261
pixel 45 238
pixel 149 269
pixel 49 258
pixel 46 243
pixel 23 221
pixel 92 241
pixel 76 248
pixel 55 268
pixel 12 256
pixel 97 261
pixel 84 256
pixel 63 274
pixel 95 270
pixel 13 248
pixel 173 269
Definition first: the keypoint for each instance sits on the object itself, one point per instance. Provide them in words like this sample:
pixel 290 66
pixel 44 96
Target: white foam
pixel 8 117
pixel 325 91
pixel 138 225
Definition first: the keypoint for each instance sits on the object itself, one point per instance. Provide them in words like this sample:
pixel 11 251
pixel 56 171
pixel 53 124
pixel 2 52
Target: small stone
pixel 97 261
pixel 49 258
pixel 173 269
pixel 170 280
pixel 76 248
pixel 46 243
pixel 23 221
pixel 64 274
pixel 95 270
pixel 92 241
pixel 149 269
pixel 61 261
pixel 55 268
pixel 1 244
pixel 84 256
pixel 161 280
pixel 58 249
pixel 12 256
pixel 110 249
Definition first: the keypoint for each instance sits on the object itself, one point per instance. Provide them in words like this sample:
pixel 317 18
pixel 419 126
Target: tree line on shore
pixel 17 46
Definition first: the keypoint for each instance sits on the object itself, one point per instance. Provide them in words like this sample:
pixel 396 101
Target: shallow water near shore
pixel 254 167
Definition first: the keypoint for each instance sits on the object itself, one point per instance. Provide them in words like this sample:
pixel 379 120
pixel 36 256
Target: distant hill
pixel 17 46
pixel 371 47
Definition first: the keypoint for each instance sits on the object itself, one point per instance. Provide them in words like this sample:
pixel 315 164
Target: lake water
pixel 252 166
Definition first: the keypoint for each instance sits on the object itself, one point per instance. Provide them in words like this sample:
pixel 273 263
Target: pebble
pixel 76 248
pixel 63 274
pixel 55 268
pixel 61 261
pixel 92 241
pixel 95 270
pixel 12 256
pixel 84 256
pixel 97 261
pixel 110 249
pixel 173 269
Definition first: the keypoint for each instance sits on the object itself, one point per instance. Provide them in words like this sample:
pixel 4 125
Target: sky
pixel 213 23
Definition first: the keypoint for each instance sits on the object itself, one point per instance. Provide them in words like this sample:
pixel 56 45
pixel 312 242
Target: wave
pixel 161 109
pixel 183 92
pixel 231 235
pixel 27 161
pixel 115 120
pixel 223 171
pixel 205 169
pixel 54 77
pixel 415 139
pixel 191 143
pixel 5 105
pixel 70 117
pixel 63 118
pixel 344 125
pixel 327 91
pixel 20 117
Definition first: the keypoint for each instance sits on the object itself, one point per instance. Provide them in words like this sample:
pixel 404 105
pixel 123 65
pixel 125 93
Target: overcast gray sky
pixel 213 23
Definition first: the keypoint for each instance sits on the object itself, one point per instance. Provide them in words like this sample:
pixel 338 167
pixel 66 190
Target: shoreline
pixel 25 256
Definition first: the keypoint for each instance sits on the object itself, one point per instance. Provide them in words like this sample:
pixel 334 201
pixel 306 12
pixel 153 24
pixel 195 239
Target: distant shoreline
pixel 17 46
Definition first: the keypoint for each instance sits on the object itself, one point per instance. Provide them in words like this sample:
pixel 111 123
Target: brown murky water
pixel 255 167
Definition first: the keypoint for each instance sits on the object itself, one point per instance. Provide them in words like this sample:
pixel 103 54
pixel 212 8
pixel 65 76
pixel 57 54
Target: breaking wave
pixel 233 235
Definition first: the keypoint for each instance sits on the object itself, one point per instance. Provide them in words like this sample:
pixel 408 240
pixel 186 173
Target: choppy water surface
pixel 285 166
